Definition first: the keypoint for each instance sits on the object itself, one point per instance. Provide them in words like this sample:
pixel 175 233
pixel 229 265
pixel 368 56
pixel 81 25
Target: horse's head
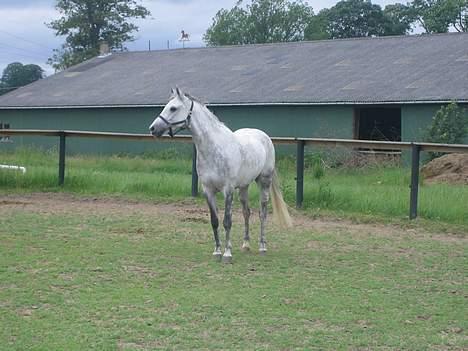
pixel 176 113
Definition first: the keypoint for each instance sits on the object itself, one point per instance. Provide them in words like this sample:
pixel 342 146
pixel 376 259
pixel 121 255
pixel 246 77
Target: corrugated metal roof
pixel 407 69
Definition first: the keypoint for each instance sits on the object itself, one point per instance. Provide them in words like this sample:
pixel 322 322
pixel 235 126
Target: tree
pixel 86 23
pixel 16 75
pixel 449 126
pixel 398 19
pixel 460 15
pixel 437 16
pixel 229 28
pixel 357 18
pixel 430 15
pixel 262 21
pixel 4 88
pixel 317 27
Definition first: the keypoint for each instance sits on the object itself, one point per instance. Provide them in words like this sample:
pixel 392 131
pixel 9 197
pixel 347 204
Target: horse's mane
pixel 213 116
pixel 194 98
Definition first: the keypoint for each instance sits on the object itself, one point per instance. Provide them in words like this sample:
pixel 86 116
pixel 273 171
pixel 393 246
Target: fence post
pixel 300 173
pixel 194 172
pixel 415 152
pixel 62 158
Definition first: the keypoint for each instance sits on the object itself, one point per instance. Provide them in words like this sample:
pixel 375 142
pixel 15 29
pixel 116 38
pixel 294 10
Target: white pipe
pixel 16 168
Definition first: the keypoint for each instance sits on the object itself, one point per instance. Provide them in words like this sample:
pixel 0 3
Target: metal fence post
pixel 62 158
pixel 194 172
pixel 300 173
pixel 415 152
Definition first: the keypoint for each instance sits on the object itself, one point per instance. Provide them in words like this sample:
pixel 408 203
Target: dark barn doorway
pixel 381 124
pixel 377 123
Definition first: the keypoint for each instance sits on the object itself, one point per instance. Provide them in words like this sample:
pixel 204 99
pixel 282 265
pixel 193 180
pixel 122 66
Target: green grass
pixel 95 280
pixel 385 191
pixel 89 278
pixel 370 191
pixel 117 175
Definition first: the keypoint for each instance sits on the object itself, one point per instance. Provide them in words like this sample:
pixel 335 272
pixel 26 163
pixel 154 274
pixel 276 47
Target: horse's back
pixel 257 151
pixel 256 138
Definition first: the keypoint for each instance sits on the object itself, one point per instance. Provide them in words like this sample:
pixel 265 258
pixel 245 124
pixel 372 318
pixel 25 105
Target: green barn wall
pixel 291 121
pixel 281 121
pixel 415 119
pixel 298 121
pixel 130 120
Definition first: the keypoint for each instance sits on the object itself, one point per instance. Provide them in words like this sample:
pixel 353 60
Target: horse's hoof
pixel 217 256
pixel 245 247
pixel 262 252
pixel 227 259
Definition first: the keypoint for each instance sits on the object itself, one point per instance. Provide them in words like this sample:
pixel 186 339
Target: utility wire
pixel 22 56
pixel 8 51
pixel 24 39
pixel 21 49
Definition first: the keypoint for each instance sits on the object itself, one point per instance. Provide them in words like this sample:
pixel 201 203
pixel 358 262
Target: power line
pixel 21 55
pixel 25 50
pixel 30 55
pixel 15 51
pixel 24 39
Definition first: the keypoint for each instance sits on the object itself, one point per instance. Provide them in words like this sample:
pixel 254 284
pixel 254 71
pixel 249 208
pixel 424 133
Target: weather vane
pixel 184 37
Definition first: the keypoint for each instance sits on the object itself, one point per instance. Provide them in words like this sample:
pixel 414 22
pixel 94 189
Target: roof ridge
pixel 298 42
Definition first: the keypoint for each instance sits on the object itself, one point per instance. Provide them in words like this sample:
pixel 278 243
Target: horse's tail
pixel 280 209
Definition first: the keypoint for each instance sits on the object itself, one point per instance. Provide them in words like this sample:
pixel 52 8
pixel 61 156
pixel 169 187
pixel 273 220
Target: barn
pixel 385 88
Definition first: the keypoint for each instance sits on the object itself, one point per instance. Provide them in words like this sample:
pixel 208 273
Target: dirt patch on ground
pixel 192 211
pixel 450 168
pixel 57 203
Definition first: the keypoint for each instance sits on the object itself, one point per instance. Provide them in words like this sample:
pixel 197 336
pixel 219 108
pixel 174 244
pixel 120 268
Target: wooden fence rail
pixel 300 143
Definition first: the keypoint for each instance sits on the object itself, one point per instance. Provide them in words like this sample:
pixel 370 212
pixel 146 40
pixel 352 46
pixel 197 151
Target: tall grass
pixel 376 190
pixel 165 175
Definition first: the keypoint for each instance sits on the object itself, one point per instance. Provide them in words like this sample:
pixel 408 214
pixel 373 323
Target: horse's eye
pixel 173 109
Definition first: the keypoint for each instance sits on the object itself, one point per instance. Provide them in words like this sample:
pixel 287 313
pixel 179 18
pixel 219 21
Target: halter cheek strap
pixel 185 122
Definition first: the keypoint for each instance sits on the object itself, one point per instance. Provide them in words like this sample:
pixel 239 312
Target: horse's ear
pixel 172 91
pixel 179 92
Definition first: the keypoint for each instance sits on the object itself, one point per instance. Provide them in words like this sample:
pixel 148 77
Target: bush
pixel 449 126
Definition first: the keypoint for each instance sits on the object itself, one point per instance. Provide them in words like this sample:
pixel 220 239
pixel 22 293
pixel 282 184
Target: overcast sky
pixel 25 38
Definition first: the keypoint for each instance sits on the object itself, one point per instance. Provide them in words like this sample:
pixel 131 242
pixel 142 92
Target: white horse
pixel 226 161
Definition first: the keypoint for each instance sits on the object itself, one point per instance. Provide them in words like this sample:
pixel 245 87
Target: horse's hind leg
pixel 227 222
pixel 264 182
pixel 211 200
pixel 244 199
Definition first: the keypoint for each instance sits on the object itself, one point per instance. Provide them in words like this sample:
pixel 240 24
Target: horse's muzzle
pixel 156 133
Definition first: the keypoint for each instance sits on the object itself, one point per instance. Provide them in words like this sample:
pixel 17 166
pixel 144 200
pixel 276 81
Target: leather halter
pixel 185 122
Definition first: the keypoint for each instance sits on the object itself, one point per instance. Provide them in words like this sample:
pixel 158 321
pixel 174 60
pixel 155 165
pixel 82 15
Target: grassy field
pixel 370 191
pixel 108 274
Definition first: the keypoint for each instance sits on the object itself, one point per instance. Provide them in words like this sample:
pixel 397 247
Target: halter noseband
pixel 185 122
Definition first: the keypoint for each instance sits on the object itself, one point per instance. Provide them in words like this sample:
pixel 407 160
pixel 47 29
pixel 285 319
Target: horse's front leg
pixel 211 200
pixel 228 196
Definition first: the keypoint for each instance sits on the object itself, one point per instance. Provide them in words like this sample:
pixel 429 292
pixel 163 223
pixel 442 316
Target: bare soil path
pixel 189 210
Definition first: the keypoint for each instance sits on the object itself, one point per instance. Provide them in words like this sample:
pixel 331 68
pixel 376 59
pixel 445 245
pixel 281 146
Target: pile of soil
pixel 450 168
